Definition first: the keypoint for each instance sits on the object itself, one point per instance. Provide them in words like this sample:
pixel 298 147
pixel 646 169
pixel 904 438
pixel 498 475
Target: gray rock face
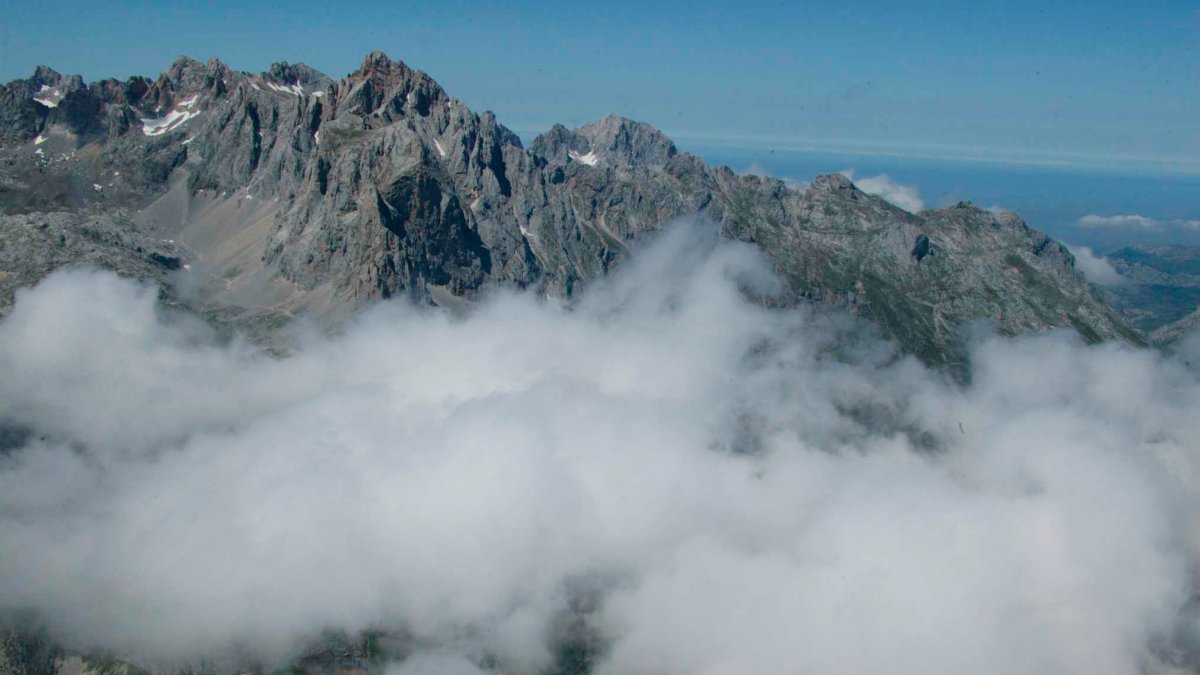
pixel 306 195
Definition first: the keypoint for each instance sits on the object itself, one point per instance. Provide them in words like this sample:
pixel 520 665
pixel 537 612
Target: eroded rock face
pixel 331 194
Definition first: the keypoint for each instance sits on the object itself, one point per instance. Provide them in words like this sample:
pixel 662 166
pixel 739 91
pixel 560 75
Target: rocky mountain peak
pixel 185 75
pixel 380 66
pixel 612 141
pixel 300 74
pixel 559 145
pixel 625 141
pixel 385 88
pixel 44 79
pixel 183 69
pixel 1008 218
pixel 966 211
pixel 832 183
pixel 45 75
pixel 216 66
pixel 376 59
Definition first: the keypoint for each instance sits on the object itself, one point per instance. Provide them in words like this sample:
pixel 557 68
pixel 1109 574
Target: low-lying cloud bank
pixel 697 483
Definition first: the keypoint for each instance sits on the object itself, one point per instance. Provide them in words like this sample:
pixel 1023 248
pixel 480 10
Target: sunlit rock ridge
pixel 288 193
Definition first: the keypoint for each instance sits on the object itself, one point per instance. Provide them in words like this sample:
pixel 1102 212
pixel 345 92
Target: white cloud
pixel 1097 269
pixel 1119 221
pixel 904 196
pixel 1134 221
pixel 698 483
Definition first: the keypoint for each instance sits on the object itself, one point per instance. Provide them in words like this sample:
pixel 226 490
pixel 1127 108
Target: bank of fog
pixel 705 485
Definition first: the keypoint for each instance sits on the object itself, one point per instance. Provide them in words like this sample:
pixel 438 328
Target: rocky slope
pixel 1162 284
pixel 33 245
pixel 1177 331
pixel 288 193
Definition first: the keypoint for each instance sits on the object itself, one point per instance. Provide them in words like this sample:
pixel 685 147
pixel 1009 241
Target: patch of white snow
pixel 590 159
pixel 47 96
pixel 172 120
pixel 287 89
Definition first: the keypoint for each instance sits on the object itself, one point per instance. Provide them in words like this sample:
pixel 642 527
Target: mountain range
pixel 256 198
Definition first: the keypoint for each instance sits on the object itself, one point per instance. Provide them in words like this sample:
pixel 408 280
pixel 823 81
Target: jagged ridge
pixel 302 194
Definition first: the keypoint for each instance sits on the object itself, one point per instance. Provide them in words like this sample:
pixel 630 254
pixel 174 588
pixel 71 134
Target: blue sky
pixel 1079 82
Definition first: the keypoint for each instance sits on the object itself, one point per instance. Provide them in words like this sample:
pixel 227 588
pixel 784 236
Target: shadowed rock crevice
pixel 434 243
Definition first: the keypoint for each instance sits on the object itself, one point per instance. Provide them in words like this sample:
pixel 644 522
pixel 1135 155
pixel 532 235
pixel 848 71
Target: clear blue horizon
pixel 1096 83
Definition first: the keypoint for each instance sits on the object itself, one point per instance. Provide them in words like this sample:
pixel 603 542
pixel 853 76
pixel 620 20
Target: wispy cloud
pixel 904 196
pixel 1127 221
pixel 1133 221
